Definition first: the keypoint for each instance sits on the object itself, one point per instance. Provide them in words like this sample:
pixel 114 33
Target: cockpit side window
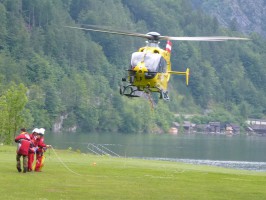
pixel 162 65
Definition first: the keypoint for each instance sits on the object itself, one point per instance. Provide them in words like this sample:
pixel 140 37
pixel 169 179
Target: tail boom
pixel 186 73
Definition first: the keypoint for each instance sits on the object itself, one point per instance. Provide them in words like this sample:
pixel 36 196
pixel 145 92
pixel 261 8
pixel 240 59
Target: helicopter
pixel 150 66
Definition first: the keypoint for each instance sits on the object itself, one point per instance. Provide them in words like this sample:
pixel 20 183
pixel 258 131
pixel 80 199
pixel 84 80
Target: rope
pixel 150 101
pixel 60 160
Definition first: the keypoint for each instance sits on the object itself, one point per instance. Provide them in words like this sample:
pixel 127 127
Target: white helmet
pixel 36 130
pixel 41 131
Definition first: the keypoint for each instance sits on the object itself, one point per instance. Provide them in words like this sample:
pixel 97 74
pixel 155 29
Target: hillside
pixel 72 77
pixel 244 16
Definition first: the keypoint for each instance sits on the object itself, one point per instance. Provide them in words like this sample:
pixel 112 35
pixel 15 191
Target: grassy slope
pixel 123 178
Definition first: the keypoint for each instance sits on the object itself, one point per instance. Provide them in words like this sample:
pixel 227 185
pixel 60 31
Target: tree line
pixel 58 73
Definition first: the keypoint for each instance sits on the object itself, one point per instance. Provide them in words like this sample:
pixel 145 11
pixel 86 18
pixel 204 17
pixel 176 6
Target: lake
pixel 242 152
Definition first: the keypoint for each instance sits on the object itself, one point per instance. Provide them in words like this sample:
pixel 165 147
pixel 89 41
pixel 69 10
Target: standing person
pixel 33 148
pixel 23 140
pixel 40 151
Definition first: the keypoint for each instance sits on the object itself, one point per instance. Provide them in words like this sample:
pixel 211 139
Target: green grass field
pixel 124 178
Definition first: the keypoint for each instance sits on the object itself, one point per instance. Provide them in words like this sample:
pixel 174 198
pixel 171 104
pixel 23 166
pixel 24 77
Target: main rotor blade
pixel 211 38
pixel 103 30
pixel 154 35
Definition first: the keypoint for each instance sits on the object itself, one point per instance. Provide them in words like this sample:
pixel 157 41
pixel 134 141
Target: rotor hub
pixel 154 36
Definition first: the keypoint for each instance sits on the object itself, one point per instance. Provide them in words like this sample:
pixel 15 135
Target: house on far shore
pixel 218 128
pixel 210 128
pixel 232 129
pixel 187 126
pixel 202 128
pixel 214 127
pixel 257 125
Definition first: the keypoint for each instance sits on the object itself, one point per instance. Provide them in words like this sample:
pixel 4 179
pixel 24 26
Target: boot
pixel 19 169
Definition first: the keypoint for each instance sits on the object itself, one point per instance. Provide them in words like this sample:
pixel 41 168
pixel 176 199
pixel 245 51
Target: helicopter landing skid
pixel 129 91
pixel 132 91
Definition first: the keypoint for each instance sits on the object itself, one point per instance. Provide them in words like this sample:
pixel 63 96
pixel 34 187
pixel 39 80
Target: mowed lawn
pixel 85 176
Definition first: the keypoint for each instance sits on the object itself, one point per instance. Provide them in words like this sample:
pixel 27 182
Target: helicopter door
pixel 162 66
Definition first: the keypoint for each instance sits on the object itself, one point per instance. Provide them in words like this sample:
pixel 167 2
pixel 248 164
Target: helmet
pixel 36 130
pixel 41 131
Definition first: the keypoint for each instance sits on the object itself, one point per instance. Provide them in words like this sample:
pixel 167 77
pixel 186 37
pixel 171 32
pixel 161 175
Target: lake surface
pixel 242 152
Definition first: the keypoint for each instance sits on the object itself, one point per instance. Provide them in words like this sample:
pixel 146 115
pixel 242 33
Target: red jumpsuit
pixel 24 143
pixel 39 154
pixel 32 151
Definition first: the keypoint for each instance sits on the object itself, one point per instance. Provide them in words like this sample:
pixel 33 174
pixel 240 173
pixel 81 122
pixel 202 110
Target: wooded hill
pixel 244 16
pixel 69 79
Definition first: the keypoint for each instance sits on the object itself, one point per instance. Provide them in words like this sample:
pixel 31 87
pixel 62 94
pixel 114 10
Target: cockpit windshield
pixel 153 62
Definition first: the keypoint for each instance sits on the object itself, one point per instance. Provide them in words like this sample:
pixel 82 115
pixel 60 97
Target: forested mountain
pixel 240 15
pixel 72 77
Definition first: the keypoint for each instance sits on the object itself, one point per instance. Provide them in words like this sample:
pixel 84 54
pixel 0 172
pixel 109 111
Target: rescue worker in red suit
pixel 40 151
pixel 33 148
pixel 24 142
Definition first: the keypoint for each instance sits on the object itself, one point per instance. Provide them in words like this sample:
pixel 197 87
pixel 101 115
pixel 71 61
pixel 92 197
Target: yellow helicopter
pixel 150 68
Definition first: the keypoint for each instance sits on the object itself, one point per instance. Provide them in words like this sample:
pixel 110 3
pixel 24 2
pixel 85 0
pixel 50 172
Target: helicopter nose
pixel 140 69
pixel 137 68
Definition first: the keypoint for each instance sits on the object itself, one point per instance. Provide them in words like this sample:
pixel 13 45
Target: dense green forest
pixel 68 80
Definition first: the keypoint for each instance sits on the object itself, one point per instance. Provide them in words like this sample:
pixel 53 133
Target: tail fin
pixel 168 46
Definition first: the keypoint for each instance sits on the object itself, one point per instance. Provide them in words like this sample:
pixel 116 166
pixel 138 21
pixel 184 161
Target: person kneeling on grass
pixel 24 142
pixel 40 151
